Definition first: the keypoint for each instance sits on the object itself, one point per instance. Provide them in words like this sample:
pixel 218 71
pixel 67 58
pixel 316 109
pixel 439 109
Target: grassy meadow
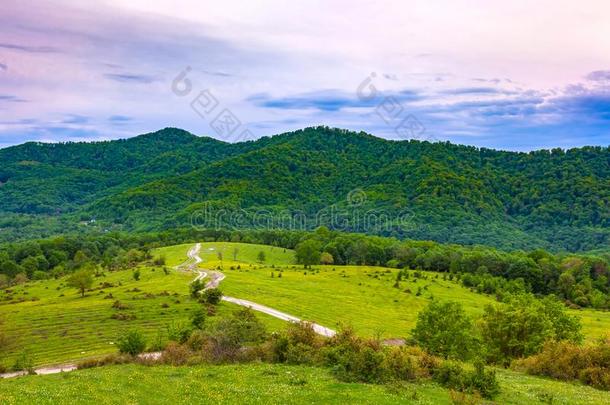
pixel 263 384
pixel 52 324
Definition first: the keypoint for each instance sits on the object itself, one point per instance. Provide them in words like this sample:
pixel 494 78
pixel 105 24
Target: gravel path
pixel 217 277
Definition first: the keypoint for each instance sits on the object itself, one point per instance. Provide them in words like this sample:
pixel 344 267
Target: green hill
pixel 450 193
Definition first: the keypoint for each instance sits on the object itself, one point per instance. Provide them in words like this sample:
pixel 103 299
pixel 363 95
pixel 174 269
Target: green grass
pixel 246 253
pixel 53 324
pixel 363 297
pixel 262 384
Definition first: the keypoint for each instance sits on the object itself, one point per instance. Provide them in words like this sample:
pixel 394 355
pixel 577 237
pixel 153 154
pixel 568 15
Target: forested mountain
pixel 450 193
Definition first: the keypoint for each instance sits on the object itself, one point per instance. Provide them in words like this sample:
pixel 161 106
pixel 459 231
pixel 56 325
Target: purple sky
pixel 511 75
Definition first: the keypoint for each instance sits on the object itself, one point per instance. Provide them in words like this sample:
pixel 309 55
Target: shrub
pixel 103 361
pixel 444 329
pixel 196 287
pixel 198 318
pixel 131 342
pixel 478 381
pixel 400 365
pixel 568 361
pixel 355 359
pixel 24 362
pixel 175 354
pixel 229 335
pixel 178 332
pixel 212 296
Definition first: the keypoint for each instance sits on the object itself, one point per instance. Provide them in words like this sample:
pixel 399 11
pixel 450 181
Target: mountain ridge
pixel 546 198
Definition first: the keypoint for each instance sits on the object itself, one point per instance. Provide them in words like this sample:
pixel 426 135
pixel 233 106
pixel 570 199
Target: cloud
pixel 29 49
pixel 599 76
pixel 3 66
pixel 325 100
pixel 119 119
pixel 217 73
pixel 75 119
pixel 475 90
pixel 12 99
pixel 130 78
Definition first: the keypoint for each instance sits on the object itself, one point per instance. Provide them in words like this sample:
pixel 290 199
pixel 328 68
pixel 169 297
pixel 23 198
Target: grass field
pixel 52 323
pixel 262 384
pixel 361 296
pixel 235 253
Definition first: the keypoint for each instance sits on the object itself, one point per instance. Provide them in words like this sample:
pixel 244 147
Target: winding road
pixel 216 277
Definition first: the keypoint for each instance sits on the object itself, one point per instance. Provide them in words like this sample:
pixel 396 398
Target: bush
pixel 568 361
pixel 24 362
pixel 229 335
pixel 478 381
pixel 196 287
pixel 103 361
pixel 178 332
pixel 175 354
pixel 400 365
pixel 131 342
pixel 444 329
pixel 198 318
pixel 212 296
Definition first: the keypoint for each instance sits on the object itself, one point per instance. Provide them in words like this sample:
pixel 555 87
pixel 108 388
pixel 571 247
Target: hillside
pixel 558 200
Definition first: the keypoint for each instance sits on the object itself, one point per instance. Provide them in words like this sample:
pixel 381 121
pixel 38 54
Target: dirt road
pixel 217 277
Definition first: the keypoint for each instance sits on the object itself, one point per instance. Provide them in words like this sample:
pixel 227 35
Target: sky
pixel 516 75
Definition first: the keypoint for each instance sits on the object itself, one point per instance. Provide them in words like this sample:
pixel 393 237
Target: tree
pixel 196 287
pixel 212 296
pixel 235 252
pixel 30 265
pixel 132 342
pixel 308 252
pixel 444 329
pixel 520 327
pixel 81 280
pixel 79 259
pixel 219 254
pixel 326 258
pixel 261 256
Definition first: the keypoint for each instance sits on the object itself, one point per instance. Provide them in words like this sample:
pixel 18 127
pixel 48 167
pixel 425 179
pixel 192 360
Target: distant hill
pixel 450 193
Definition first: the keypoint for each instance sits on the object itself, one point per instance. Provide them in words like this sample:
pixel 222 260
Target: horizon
pixel 490 76
pixel 351 132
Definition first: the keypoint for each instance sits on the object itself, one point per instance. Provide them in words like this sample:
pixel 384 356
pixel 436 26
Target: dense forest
pixel 580 280
pixel 552 199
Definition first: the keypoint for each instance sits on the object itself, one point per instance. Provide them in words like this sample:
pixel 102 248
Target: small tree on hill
pixel 308 252
pixel 261 256
pixel 81 280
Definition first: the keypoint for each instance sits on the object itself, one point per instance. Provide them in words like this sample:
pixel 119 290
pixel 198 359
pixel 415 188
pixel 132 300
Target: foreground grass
pixel 262 384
